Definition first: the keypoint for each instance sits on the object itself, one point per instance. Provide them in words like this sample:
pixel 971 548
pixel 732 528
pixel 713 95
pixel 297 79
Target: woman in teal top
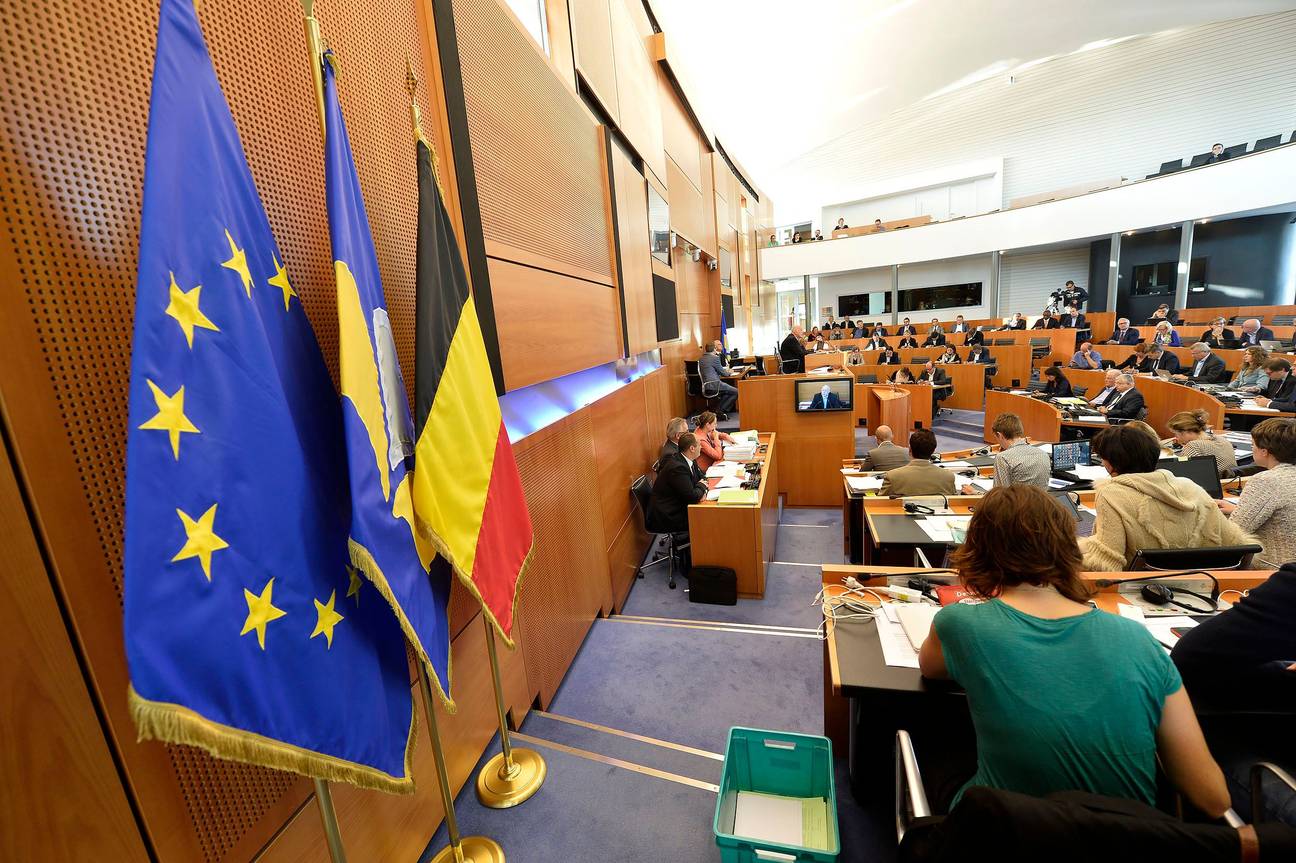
pixel 1063 696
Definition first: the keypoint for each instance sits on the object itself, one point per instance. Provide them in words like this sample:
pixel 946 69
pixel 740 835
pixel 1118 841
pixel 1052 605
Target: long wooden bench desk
pixel 1163 398
pixel 740 537
pixel 1011 362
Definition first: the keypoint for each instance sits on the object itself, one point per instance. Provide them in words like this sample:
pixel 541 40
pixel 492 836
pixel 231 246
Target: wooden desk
pixel 811 444
pixel 968 381
pixel 740 537
pixel 893 225
pixel 1118 354
pixel 1042 421
pixel 891 407
pixel 1011 362
pixel 1163 399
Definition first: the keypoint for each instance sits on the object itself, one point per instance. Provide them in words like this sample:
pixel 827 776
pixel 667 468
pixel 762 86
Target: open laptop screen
pixel 1067 455
pixel 1201 469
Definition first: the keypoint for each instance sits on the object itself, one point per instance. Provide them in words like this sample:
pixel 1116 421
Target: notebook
pixel 916 619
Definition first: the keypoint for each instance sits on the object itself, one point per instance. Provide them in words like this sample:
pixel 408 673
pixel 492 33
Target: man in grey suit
pixel 886 455
pixel 713 370
pixel 1206 368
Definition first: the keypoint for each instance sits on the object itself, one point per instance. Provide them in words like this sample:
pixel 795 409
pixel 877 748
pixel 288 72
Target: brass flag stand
pixel 332 835
pixel 511 777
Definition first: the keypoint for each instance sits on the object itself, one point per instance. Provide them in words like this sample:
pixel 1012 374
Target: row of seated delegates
pixel 1142 507
pixel 1018 462
pixel 1063 696
pixel 797 238
pixel 1119 398
pixel 919 476
pixel 680 482
pixel 931 374
pixel 1148 359
pixel 1206 368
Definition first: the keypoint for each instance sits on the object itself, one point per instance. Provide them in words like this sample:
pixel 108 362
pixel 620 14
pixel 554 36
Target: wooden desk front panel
pixel 919 410
pixel 1162 398
pixel 1189 333
pixel 811 445
pixel 1206 315
pixel 968 380
pixel 740 537
pixel 1042 421
pixel 1118 353
pixel 1012 362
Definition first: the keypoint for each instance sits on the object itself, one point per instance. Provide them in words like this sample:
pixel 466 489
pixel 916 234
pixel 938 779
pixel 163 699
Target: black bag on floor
pixel 714 585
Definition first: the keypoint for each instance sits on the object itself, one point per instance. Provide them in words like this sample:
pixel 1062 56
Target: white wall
pixel 1027 279
pixel 944 193
pixel 1108 112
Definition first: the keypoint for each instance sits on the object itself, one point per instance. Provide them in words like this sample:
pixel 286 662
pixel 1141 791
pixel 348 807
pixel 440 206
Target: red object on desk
pixel 948 594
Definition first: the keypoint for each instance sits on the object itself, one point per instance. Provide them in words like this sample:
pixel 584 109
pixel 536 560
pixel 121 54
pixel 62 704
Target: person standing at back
pixel 1063 696
pixel 1141 507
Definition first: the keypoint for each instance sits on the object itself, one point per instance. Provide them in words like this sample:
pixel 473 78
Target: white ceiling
pixel 812 71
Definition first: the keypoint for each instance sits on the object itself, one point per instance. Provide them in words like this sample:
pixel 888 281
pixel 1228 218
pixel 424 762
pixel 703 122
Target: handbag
pixel 713 585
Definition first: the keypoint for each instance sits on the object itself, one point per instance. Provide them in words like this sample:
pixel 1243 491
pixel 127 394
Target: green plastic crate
pixel 774 762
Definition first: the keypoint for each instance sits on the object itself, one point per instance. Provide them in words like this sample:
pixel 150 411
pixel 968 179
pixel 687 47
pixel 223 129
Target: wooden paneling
pixel 811 445
pixel 540 178
pixel 591 28
pixel 741 538
pixel 567 584
pixel 551 325
pixel 623 450
pixel 687 215
pixel 378 826
pixel 679 136
pixel 561 55
pixel 691 281
pixel 636 81
pixel 1041 420
pixel 624 555
pixel 661 403
pixel 635 253
pixel 49 723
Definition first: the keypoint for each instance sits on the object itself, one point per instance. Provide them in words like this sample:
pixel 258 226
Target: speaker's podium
pixel 888 407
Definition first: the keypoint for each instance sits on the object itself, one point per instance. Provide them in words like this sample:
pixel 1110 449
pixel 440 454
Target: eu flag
pixel 247 631
pixel 385 543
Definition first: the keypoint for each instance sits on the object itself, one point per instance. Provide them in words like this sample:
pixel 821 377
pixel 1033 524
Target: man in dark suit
pixel 1124 334
pixel 1217 154
pixel 974 337
pixel 934 339
pixel 941 389
pixel 1217 334
pixel 825 399
pixel 978 354
pixel 879 330
pixel 1073 320
pixel 1159 359
pixel 1046 322
pixel 1127 404
pixel 876 343
pixel 906 329
pixel 1017 322
pixel 1206 368
pixel 960 325
pixel 908 342
pixel 1282 385
pixel 792 353
pixel 679 483
pixel 1254 334
pixel 889 357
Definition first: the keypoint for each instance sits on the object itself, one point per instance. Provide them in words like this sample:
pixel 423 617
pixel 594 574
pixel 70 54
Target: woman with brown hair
pixel 1063 696
pixel 1134 360
pixel 1251 375
pixel 1193 434
pixel 710 439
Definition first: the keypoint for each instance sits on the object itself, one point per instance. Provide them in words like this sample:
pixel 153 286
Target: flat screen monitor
pixel 1201 469
pixel 1067 456
pixel 825 394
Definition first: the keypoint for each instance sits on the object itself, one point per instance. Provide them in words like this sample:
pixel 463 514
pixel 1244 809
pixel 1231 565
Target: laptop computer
pixel 1065 457
pixel 1273 346
pixel 1163 374
pixel 1201 469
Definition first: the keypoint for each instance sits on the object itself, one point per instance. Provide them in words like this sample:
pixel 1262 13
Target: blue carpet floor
pixel 809 543
pixel 788 591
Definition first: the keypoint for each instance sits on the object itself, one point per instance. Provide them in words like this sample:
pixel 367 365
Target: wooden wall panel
pixel 591 28
pixel 658 406
pixel 540 178
pixel 561 56
pixel 49 722
pixel 624 556
pixel 549 324
pixel 679 136
pixel 709 211
pixel 567 584
pixel 691 284
pixel 687 215
pixel 635 252
pixel 623 450
pixel 636 76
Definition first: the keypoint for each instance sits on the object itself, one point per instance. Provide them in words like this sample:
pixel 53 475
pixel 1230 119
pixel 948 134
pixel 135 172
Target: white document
pixel 1241 453
pixel 865 483
pixel 1091 419
pixel 1020 392
pixel 713 494
pixel 985 483
pixel 916 620
pixel 1132 612
pixel 724 468
pixel 1160 627
pixel 896 649
pixel 1090 471
pixel 1249 404
pixel 730 481
pixel 768 818
pixel 938 527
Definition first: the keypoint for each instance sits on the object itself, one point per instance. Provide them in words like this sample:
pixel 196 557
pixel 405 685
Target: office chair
pixel 641 489
pixel 1040 348
pixel 1283 320
pixel 1239 320
pixel 866 379
pixel 1002 342
pixel 1171 559
pixel 1169 168
pixel 784 367
pixel 1235 150
pixel 1267 143
pixel 1078 391
pixel 1199 160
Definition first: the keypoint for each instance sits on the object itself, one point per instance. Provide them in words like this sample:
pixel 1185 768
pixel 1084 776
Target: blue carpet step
pixel 788 592
pixel 630 748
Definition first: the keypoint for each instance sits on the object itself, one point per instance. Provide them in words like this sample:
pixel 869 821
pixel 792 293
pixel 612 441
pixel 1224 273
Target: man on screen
pixel 825 399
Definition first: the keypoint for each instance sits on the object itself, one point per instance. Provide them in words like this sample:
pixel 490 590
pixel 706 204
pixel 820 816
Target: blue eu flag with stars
pixel 248 633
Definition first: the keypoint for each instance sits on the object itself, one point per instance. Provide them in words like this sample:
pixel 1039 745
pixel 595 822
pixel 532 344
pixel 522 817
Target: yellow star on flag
pixel 326 618
pixel 200 539
pixel 353 588
pixel 260 612
pixel 280 281
pixel 170 417
pixel 184 308
pixel 238 263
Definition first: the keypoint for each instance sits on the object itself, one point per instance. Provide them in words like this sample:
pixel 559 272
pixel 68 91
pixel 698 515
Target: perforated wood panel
pixel 567 583
pixel 71 172
pixel 535 149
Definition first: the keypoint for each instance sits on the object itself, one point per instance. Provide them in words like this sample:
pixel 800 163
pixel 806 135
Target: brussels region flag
pixel 467 495
pixel 385 544
pixel 244 632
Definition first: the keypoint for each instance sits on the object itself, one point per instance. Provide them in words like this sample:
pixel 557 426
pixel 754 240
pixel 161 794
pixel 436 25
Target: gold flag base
pixel 472 849
pixel 500 788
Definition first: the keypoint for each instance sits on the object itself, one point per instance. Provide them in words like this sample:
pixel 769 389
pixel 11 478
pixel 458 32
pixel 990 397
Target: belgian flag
pixel 468 499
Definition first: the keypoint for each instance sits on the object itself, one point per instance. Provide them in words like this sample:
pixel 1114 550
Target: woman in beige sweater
pixel 1142 507
pixel 1192 432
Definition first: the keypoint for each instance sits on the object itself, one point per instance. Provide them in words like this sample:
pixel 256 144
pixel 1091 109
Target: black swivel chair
pixel 1168 168
pixel 866 379
pixel 786 367
pixel 641 488
pixel 1235 150
pixel 1040 348
pixel 1172 559
pixel 1199 160
pixel 1267 143
pixel 696 388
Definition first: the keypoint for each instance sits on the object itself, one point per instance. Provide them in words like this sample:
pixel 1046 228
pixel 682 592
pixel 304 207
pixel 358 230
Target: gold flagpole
pixel 514 775
pixel 470 849
pixel 314 46
pixel 332 835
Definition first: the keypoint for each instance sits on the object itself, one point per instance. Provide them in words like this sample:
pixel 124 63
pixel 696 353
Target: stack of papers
pixel 725 468
pixel 1090 471
pixel 798 821
pixel 985 483
pixel 1089 418
pixel 731 481
pixel 865 483
pixel 1250 404
pixel 743 447
pixel 941 528
pixel 896 649
pixel 736 497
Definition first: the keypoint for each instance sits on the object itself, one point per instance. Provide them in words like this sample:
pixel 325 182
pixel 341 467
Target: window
pixel 532 15
pixel 864 305
pixel 1151 279
pixel 941 297
pixel 658 226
